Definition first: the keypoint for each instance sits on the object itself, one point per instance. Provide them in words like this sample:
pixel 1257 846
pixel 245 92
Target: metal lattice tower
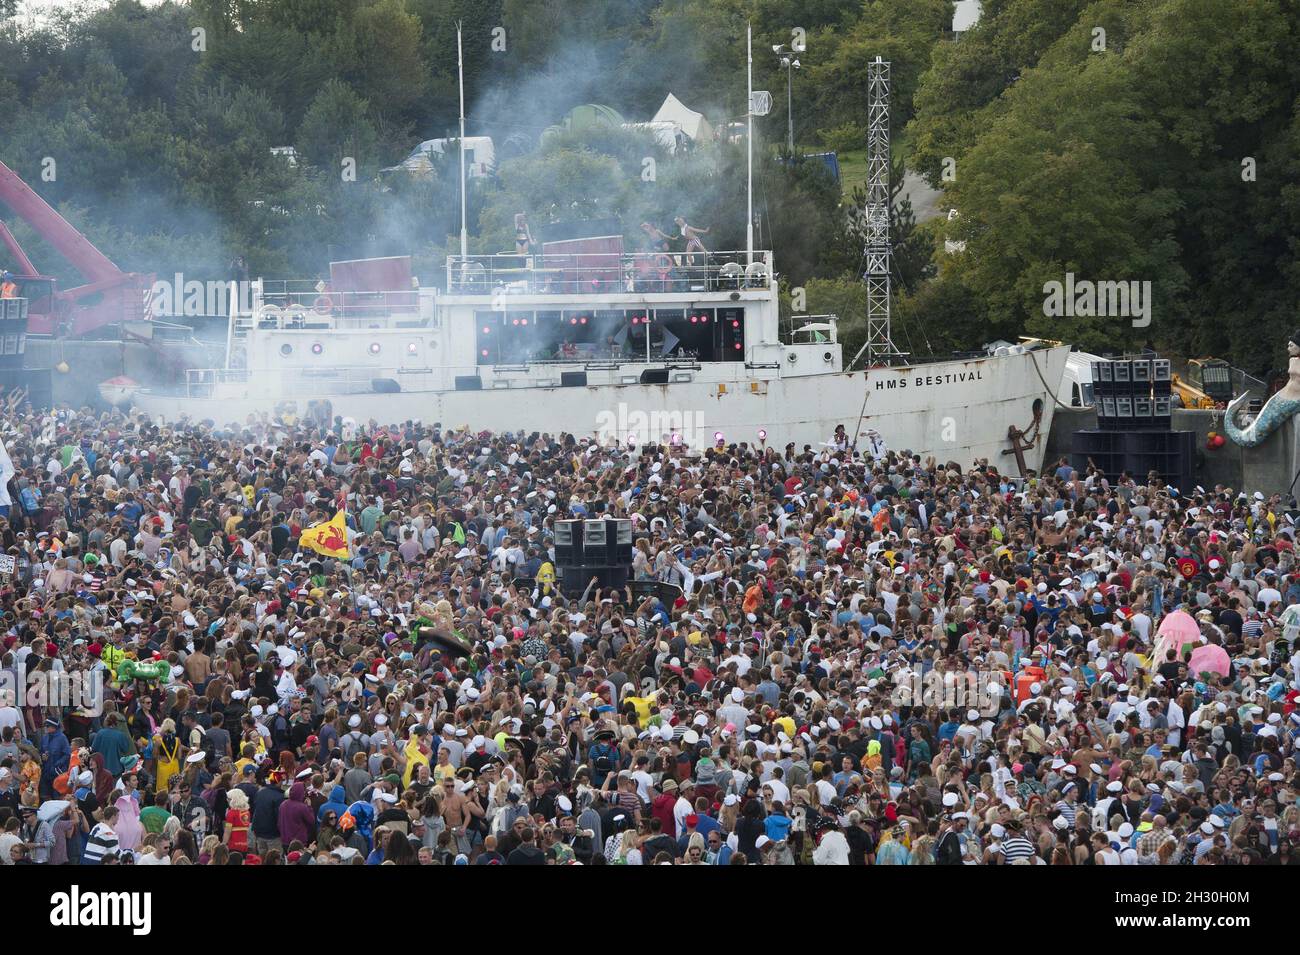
pixel 879 345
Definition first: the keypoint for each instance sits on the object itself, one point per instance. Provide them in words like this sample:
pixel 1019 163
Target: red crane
pixel 109 297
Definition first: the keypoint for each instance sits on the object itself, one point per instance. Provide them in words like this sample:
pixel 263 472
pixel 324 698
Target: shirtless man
pixel 457 810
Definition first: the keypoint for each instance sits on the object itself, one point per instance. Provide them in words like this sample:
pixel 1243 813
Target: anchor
pixel 1022 441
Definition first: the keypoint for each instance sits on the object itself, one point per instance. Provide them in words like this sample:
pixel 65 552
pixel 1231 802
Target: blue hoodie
pixel 337 804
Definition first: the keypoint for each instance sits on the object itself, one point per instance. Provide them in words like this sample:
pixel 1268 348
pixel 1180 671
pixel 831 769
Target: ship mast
pixel 879 345
pixel 749 143
pixel 460 80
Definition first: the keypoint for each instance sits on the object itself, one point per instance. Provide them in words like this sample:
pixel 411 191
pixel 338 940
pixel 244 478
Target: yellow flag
pixel 330 538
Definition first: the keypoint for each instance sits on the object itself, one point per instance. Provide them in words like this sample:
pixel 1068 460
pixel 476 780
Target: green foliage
pixel 1125 164
pixel 338 126
pixel 1122 163
pixel 845 137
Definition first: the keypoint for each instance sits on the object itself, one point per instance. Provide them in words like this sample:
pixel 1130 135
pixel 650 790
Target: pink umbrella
pixel 1212 658
pixel 1180 625
pixel 1178 628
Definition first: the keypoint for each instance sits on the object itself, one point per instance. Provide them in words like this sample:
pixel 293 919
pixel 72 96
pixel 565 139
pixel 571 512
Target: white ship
pixel 624 347
pixel 579 335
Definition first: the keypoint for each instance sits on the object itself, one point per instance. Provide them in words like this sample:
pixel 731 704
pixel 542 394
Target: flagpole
pixel 460 80
pixel 749 143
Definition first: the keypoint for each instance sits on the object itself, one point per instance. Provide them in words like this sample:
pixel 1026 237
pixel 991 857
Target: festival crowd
pixel 821 657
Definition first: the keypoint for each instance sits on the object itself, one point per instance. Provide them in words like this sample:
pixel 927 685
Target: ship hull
pixel 955 410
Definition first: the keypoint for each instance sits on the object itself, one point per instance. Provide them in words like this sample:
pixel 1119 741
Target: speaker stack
pixel 600 548
pixel 1133 399
pixel 14 373
pixel 1132 394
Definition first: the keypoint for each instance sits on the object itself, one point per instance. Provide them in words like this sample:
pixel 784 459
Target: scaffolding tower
pixel 879 345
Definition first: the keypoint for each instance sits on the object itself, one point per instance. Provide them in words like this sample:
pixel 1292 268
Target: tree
pixel 337 126
pixel 381 56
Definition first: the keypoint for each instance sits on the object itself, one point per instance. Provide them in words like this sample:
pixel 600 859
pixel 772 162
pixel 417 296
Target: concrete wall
pixel 1269 468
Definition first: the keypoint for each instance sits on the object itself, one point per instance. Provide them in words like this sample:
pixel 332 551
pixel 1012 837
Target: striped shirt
pixel 1016 848
pixel 1069 810
pixel 101 842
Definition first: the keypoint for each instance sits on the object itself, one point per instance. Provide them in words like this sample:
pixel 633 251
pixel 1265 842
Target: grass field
pixel 853 170
pixel 853 163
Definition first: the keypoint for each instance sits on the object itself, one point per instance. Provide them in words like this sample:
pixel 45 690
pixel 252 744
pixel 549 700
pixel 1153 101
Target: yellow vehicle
pixel 1208 383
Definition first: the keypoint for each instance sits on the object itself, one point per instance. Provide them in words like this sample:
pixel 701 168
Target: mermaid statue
pixel 1284 403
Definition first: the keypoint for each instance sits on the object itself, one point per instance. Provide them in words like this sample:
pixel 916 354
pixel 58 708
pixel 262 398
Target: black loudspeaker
pixel 13 333
pixel 566 532
pixel 1127 392
pixel 385 386
pixel 469 383
pixel 575 577
pixel 600 548
pixel 593 541
pixel 641 589
pixel 573 379
pixel 654 376
pixel 1169 453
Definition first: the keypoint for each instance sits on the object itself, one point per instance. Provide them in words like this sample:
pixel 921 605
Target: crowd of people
pixel 824 656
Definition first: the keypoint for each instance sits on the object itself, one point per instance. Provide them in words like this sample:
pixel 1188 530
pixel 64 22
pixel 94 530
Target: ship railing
pixel 301 304
pixel 603 273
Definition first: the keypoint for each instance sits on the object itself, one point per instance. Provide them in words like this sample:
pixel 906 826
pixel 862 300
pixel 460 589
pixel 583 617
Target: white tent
pixel 480 155
pixel 693 124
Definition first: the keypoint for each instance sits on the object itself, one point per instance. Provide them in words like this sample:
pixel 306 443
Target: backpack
pixel 352 744
pixel 604 759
